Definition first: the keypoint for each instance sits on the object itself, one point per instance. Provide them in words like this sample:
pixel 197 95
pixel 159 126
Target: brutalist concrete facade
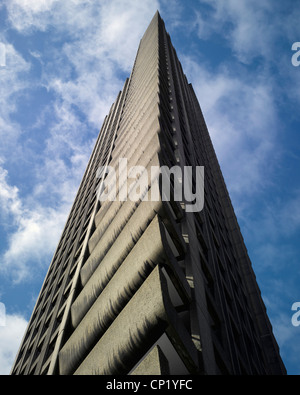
pixel 147 287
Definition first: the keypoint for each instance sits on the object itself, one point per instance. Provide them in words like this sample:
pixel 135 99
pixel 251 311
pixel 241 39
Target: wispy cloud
pixel 241 115
pixel 252 29
pixel 10 338
pixel 27 15
pixel 10 203
pixel 12 87
pixel 33 231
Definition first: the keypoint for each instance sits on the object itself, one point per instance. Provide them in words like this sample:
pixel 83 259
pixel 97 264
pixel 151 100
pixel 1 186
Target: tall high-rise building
pixel 147 283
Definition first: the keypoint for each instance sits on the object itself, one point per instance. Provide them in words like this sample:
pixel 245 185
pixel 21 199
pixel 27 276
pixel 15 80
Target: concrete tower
pixel 147 283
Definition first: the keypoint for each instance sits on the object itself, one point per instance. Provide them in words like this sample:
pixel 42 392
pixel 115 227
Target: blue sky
pixel 62 63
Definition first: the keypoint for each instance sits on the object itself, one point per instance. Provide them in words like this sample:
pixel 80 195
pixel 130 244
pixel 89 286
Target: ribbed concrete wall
pixel 109 299
pixel 135 329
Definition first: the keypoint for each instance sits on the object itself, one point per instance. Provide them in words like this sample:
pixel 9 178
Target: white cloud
pixel 34 241
pixel 25 14
pixel 35 234
pixel 105 46
pixel 13 85
pixel 33 6
pixel 10 338
pixel 101 25
pixel 100 40
pixel 261 30
pixel 8 195
pixel 252 28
